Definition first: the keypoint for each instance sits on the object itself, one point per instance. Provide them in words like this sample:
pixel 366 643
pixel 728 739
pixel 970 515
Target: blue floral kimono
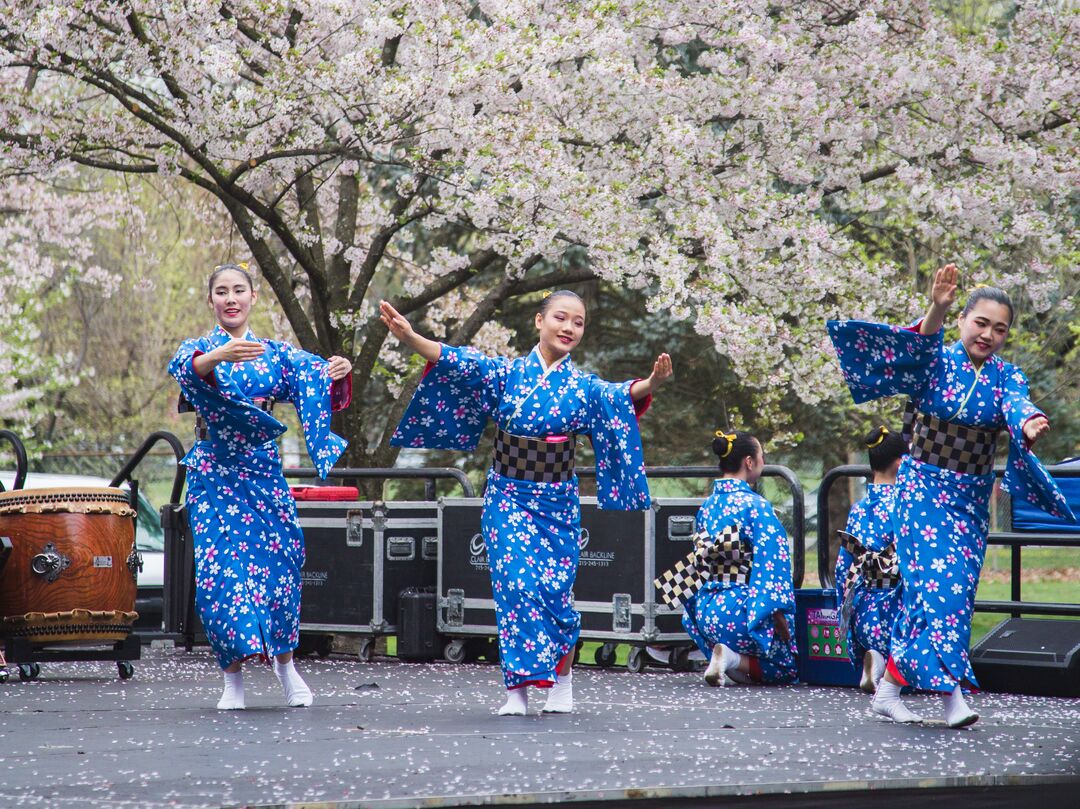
pixel 873 610
pixel 940 516
pixel 248 545
pixel 741 615
pixel 531 529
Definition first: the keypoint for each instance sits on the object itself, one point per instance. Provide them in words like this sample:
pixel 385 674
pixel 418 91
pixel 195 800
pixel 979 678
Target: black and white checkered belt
pixel 533 459
pixel 953 446
pixel 877 570
pixel 202 430
pixel 726 558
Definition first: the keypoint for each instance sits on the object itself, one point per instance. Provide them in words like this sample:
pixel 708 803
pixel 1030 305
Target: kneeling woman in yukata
pixel 867 570
pixel 742 615
pixel 249 548
pixel 531 521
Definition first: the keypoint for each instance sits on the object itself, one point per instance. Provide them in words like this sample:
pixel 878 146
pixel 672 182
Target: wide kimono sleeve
pixel 453 401
pixel 612 418
pixel 880 360
pixel 1025 477
pixel 770 589
pixel 235 424
pixel 315 397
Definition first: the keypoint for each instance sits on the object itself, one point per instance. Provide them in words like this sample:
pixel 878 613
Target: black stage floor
pixel 389 734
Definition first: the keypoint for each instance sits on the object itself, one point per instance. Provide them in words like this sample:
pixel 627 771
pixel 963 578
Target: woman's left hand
pixel 662 370
pixel 338 368
pixel 1035 428
pixel 780 626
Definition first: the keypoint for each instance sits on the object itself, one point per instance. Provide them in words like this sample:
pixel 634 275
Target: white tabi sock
pixel 958 714
pixel 232 698
pixel 887 702
pixel 659 655
pixel 517 702
pixel 723 661
pixel 872 671
pixel 561 695
pixel 297 693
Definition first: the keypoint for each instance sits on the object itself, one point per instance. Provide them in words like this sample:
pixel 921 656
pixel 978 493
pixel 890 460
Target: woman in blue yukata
pixel 248 545
pixel 867 570
pixel 963 395
pixel 741 618
pixel 531 519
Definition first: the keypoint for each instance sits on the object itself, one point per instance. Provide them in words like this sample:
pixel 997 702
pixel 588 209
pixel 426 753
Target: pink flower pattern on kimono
pixel 939 516
pixel 248 545
pixel 741 615
pixel 531 529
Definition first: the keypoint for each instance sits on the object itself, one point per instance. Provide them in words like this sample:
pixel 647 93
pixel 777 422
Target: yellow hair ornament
pixel 881 437
pixel 730 441
pixel 243 265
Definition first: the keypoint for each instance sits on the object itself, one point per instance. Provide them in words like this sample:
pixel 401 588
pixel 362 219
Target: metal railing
pixel 21 464
pixel 1014 540
pixel 798 507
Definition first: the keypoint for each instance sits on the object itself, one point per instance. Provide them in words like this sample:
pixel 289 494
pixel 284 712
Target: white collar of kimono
pixel 547 372
pixel 218 331
pixel 548 368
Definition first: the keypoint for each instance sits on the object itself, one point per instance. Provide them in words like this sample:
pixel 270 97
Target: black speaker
pixel 1030 656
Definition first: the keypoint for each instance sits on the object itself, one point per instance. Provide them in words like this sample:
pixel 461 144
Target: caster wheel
pixel 577 652
pixel 491 651
pixel 605 656
pixel 680 659
pixel 28 672
pixel 635 662
pixel 366 652
pixel 324 645
pixel 455 651
pixel 4 675
pixel 125 669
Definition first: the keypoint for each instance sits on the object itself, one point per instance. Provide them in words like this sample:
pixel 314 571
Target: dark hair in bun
pixel 732 448
pixel 884 447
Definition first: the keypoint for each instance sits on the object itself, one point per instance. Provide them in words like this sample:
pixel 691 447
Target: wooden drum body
pixel 71 573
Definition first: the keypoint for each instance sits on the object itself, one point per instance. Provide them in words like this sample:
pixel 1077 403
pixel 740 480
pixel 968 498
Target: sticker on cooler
pixel 824 641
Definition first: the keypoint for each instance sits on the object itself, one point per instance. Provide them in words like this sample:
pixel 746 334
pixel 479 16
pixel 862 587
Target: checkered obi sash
pixel 726 559
pixel 952 446
pixel 202 430
pixel 533 459
pixel 876 570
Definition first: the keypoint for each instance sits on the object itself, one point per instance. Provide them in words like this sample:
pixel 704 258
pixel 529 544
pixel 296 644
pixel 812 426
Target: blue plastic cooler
pixel 823 654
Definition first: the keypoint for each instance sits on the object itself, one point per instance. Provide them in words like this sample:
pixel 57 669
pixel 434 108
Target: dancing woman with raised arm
pixel 964 395
pixel 531 520
pixel 248 545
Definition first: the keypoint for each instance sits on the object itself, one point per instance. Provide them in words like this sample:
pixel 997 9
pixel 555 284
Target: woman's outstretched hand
pixel 338 368
pixel 395 322
pixel 661 370
pixel 239 351
pixel 661 373
pixel 403 330
pixel 1035 428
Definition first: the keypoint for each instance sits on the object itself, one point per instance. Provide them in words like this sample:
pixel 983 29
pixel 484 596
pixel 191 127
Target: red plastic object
pixel 325 492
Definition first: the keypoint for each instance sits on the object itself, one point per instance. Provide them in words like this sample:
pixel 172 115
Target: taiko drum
pixel 71 573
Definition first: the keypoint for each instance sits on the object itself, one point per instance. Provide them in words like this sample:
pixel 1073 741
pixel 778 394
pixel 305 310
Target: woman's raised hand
pixel 338 368
pixel 943 292
pixel 395 322
pixel 237 350
pixel 662 370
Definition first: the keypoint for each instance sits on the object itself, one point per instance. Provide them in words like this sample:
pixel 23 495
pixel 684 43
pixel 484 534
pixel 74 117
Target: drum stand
pixel 29 655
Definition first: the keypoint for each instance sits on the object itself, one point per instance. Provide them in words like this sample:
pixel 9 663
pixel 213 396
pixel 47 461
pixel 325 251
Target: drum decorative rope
pixel 71 574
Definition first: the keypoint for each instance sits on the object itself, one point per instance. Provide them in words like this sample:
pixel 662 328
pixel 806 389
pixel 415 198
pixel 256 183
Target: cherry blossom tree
pixel 752 166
